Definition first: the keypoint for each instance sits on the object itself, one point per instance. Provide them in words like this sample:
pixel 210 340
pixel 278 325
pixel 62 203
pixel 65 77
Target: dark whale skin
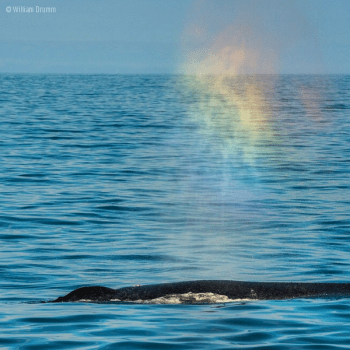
pixel 231 289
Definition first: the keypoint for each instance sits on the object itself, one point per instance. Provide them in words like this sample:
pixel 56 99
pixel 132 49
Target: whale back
pixel 234 290
pixel 95 293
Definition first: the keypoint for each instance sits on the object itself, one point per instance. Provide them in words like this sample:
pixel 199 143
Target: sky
pixel 175 36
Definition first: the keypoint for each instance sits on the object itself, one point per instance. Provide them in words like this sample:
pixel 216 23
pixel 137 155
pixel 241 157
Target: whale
pixel 230 290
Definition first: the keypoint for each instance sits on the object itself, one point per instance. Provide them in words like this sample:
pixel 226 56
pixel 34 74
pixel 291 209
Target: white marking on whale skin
pixel 191 298
pixel 253 294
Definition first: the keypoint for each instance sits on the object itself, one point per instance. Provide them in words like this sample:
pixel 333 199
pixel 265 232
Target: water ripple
pixel 121 180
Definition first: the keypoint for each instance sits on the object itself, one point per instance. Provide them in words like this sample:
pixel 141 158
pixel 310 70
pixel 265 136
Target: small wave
pixel 337 106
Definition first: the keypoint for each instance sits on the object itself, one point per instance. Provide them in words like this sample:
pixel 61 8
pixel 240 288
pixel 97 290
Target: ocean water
pixel 120 180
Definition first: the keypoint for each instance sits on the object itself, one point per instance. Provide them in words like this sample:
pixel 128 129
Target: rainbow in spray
pixel 233 99
pixel 231 62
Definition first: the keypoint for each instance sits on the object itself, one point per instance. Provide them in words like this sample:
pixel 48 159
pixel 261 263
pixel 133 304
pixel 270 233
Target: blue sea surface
pixel 118 180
